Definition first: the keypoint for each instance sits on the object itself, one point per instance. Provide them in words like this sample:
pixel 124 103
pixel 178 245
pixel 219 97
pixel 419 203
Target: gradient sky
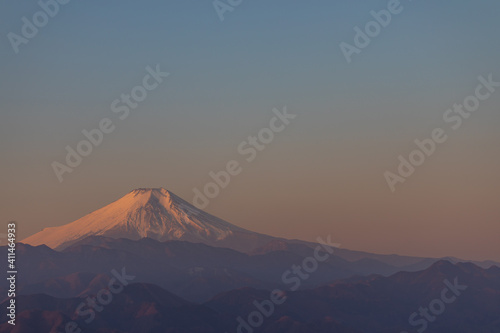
pixel 322 175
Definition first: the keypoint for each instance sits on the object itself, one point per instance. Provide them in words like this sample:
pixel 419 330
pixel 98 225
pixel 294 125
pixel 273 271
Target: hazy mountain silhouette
pixel 376 305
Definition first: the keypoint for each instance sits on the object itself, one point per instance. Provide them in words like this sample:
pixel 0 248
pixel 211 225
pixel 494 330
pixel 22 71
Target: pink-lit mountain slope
pixel 154 213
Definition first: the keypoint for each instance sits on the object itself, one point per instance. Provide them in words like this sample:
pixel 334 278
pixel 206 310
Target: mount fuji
pixel 153 213
pixel 158 214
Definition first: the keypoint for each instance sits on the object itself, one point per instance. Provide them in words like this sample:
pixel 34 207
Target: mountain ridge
pixel 377 305
pixel 159 214
pixel 151 213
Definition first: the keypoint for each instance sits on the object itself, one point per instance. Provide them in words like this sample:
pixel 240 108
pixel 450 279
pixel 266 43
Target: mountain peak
pixel 143 190
pixel 149 212
pixel 154 196
pixel 152 192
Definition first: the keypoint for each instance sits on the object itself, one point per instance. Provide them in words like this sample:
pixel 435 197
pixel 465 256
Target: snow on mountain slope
pixel 161 215
pixel 153 213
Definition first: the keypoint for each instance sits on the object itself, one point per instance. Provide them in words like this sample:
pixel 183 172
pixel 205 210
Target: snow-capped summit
pixel 154 213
